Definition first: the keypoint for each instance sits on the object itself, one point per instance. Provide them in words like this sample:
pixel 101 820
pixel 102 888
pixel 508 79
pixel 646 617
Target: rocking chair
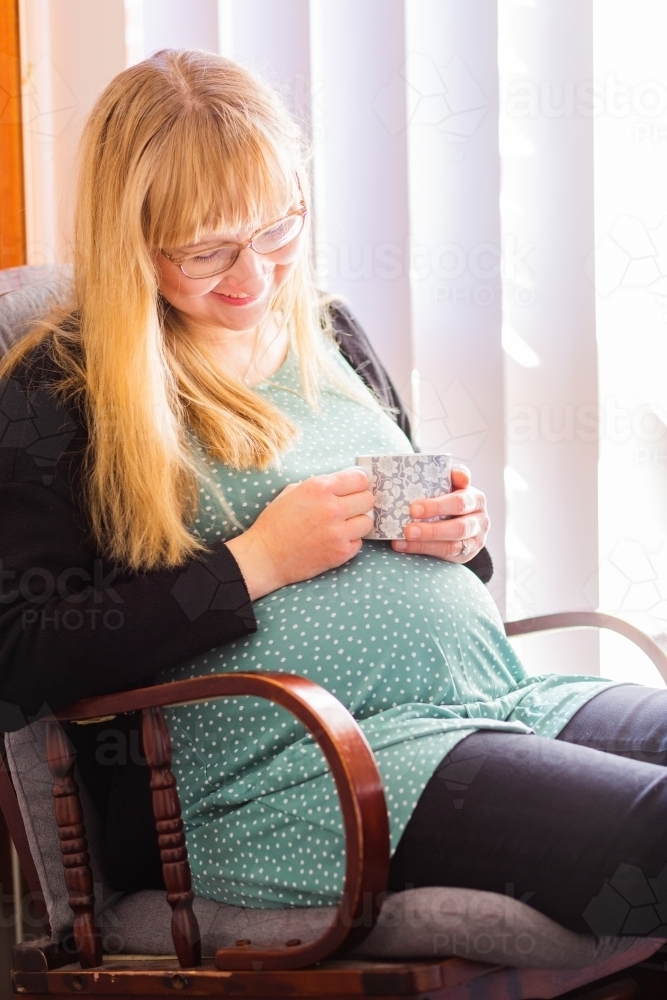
pixel 437 943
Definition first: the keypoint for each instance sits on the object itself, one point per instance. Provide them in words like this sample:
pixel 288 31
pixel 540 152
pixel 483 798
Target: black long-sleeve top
pixel 73 625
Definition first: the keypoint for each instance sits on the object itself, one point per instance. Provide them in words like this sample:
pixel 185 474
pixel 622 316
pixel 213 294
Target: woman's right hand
pixel 310 527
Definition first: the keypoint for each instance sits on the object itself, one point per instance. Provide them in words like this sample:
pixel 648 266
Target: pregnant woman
pixel 178 497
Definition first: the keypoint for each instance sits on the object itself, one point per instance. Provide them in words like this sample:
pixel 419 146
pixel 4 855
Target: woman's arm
pixel 72 627
pixel 71 624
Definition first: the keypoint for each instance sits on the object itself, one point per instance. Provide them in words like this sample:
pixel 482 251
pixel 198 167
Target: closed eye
pixel 220 253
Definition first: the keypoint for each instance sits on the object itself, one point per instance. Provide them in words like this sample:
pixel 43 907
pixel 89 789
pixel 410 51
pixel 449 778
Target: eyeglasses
pixel 277 240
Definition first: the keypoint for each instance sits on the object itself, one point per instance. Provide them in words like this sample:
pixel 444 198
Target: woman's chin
pixel 239 313
pixel 241 317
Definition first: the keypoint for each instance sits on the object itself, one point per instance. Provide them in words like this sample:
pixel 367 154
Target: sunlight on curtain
pixel 545 57
pixel 630 277
pixel 451 81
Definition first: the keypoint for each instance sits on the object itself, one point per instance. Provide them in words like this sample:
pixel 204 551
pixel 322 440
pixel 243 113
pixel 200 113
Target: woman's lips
pixel 234 300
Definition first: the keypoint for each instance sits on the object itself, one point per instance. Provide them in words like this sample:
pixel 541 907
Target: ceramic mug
pixel 397 481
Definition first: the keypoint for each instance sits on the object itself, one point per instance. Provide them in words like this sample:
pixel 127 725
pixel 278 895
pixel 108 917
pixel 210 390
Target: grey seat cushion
pixel 12 278
pixel 27 297
pixel 33 783
pixel 419 923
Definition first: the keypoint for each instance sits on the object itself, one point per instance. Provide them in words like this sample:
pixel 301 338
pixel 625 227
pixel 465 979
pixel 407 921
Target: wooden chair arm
pixel 594 619
pixel 357 781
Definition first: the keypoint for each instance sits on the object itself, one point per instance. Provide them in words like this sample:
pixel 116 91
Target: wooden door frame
pixel 12 202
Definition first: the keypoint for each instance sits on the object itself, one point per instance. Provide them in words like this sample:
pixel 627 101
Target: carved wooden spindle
pixel 171 839
pixel 73 846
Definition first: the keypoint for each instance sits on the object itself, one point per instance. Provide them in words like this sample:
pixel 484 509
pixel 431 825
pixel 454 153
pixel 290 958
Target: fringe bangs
pixel 218 172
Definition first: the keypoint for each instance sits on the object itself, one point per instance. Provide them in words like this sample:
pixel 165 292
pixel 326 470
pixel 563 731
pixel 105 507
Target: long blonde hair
pixel 182 144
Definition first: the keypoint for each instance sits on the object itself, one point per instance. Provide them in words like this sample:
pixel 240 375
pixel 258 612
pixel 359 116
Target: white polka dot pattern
pixel 412 646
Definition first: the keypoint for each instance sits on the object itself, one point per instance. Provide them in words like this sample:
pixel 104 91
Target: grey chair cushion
pixel 25 303
pixel 12 278
pixel 26 757
pixel 419 923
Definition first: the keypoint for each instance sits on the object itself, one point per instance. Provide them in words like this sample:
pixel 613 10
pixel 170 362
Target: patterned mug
pixel 397 481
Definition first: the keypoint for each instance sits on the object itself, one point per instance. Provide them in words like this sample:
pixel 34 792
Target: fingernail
pixel 417 510
pixel 413 531
pixel 400 545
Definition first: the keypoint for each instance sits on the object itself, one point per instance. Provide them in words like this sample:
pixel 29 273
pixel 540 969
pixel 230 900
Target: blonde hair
pixel 182 144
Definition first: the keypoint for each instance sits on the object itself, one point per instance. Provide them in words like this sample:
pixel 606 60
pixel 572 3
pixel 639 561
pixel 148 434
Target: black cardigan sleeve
pixel 71 624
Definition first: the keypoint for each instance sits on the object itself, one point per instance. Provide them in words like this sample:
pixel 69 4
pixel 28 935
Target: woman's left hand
pixel 460 537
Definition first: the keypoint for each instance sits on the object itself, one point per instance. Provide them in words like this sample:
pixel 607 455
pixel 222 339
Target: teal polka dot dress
pixel 411 645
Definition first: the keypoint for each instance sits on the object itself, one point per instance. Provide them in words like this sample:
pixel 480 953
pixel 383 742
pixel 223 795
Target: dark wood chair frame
pixel 317 969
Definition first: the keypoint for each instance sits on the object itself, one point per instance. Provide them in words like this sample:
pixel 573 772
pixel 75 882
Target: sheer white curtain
pixel 630 276
pixel 480 194
pixel 546 146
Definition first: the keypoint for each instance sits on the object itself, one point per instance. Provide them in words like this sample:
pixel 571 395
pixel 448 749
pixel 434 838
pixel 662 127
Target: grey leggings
pixel 576 826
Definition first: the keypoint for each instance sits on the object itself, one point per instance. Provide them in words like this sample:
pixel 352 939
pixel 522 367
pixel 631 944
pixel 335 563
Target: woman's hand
pixel 456 540
pixel 309 528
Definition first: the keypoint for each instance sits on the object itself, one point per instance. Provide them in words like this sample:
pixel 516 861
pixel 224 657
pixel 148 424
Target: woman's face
pixel 239 298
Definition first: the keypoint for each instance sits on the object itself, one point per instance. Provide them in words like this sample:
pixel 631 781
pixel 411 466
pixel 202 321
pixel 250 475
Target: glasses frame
pixel 180 260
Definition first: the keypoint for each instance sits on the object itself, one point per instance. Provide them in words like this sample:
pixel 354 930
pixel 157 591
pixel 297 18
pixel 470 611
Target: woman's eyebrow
pixel 211 241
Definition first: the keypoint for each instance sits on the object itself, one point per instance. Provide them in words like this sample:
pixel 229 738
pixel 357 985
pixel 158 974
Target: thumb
pixel 460 477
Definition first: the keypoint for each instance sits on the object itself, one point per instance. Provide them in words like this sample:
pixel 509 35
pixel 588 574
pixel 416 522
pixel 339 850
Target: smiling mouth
pixel 236 298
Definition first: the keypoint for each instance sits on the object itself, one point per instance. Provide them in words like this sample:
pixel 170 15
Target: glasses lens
pixel 212 262
pixel 279 235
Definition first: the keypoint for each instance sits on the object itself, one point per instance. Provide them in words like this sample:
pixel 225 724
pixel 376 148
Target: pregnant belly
pixel 385 629
pixel 412 646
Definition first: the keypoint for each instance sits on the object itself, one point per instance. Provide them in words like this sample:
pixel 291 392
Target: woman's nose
pixel 250 269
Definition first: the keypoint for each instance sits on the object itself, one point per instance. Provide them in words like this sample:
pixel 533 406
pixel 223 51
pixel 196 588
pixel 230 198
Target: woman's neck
pixel 252 355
